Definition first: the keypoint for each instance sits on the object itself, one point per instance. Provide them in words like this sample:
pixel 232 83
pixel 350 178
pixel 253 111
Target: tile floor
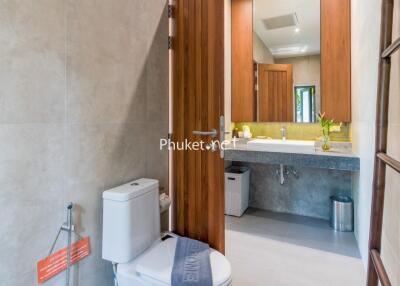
pixel 267 248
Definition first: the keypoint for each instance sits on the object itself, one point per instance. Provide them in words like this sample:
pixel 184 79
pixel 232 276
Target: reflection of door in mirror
pixel 305 104
pixel 275 92
pixel 286 34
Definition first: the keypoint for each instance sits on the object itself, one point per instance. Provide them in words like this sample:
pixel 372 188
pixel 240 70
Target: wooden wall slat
pixel 274 97
pixel 242 61
pixel 290 94
pixel 335 59
pixel 282 92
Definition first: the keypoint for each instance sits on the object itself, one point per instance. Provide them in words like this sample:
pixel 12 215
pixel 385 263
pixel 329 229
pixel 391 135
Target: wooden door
pixel 275 93
pixel 335 60
pixel 198 90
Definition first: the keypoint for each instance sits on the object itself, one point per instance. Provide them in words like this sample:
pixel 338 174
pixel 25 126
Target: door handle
pixel 213 133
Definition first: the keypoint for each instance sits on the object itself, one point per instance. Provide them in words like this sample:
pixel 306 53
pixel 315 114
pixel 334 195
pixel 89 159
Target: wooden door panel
pixel 243 103
pixel 275 93
pixel 198 80
pixel 335 59
pixel 282 94
pixel 281 100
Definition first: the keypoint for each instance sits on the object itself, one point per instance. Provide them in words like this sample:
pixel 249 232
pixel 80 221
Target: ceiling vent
pixel 283 21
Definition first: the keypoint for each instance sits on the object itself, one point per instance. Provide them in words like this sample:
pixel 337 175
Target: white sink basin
pixel 282 146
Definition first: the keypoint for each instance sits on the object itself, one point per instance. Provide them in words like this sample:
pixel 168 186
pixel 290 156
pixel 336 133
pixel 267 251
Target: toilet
pixel 133 243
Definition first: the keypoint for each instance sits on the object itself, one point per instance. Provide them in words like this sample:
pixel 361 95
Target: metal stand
pixel 69 228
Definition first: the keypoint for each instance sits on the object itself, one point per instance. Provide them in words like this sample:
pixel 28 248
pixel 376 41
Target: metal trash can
pixel 342 213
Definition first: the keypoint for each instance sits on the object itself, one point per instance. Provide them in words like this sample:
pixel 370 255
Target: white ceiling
pixel 285 42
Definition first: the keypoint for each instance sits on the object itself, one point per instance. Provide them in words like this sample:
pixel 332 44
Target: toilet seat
pixel 154 266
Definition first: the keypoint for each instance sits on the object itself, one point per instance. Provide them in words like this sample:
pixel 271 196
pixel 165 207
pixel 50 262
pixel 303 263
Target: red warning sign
pixel 57 262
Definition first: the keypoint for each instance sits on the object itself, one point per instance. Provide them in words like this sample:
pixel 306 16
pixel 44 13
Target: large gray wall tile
pixel 106 154
pixel 32 61
pixel 83 103
pixel 156 159
pixel 31 194
pixel 157 64
pixel 107 63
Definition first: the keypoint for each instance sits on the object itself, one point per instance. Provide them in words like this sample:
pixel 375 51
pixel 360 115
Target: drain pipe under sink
pixel 281 174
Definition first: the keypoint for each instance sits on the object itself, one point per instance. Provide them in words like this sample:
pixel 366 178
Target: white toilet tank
pixel 131 219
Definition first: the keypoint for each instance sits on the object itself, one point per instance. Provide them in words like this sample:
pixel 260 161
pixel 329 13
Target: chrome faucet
pixel 283 132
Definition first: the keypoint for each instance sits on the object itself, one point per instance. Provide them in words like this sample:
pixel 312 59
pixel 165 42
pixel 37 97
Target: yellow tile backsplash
pixel 295 131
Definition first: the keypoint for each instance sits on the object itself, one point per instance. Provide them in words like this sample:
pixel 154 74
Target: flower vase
pixel 325 143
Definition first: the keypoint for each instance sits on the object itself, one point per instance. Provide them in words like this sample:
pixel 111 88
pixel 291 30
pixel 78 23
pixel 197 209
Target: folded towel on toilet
pixel 192 265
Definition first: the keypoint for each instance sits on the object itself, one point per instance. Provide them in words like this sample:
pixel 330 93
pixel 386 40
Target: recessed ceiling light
pixel 297 30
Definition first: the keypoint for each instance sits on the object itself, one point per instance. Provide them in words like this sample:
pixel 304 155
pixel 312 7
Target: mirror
pixel 287 62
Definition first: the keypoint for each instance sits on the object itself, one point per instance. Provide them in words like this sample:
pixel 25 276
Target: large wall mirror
pixel 287 61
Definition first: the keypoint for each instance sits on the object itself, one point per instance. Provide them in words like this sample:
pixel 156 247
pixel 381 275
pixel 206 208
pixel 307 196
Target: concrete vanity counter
pixel 336 159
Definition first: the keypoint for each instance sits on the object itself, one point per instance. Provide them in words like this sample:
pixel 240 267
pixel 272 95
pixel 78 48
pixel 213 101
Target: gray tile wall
pixel 83 103
pixel 309 195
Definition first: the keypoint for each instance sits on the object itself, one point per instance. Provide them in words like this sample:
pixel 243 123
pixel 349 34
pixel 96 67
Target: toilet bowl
pixel 132 240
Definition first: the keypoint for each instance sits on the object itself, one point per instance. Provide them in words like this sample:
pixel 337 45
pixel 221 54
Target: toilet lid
pixel 158 262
